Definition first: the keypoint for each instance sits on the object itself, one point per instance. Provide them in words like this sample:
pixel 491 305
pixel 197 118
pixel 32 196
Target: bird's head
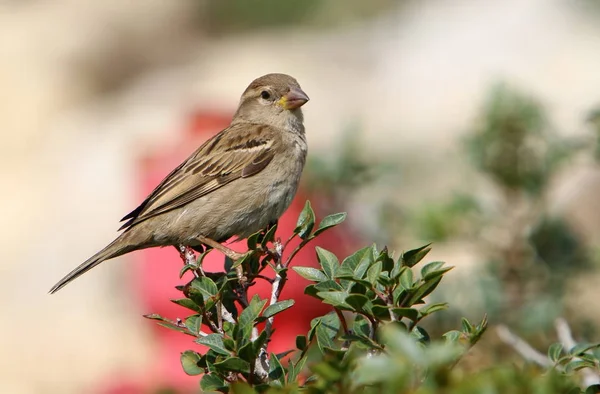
pixel 273 99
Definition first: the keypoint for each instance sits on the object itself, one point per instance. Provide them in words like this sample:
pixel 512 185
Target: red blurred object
pixel 157 272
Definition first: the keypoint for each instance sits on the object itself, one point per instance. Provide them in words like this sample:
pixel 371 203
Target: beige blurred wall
pixel 88 87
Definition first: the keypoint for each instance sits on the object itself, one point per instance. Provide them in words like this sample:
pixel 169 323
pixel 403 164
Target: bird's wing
pixel 239 151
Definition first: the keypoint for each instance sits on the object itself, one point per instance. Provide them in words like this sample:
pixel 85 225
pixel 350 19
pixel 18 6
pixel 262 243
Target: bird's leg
pixel 232 254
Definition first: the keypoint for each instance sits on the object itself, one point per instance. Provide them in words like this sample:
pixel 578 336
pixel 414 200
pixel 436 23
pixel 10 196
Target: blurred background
pixel 473 125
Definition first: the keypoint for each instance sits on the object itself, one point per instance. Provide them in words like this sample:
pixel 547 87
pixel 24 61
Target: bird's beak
pixel 295 98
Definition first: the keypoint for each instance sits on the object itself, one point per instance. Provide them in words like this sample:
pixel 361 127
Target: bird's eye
pixel 265 95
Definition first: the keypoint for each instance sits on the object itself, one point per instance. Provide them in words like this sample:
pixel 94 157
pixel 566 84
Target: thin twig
pixel 265 278
pixel 340 316
pixel 296 250
pixel 523 348
pixel 276 287
pixel 211 324
pixel 261 365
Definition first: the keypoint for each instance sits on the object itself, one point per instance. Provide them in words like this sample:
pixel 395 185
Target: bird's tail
pixel 116 248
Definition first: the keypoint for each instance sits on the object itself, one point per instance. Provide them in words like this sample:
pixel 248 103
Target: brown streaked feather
pixel 257 165
pixel 219 161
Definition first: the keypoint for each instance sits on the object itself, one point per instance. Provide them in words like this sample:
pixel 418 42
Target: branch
pixel 278 284
pixel 280 248
pixel 523 348
pixel 262 366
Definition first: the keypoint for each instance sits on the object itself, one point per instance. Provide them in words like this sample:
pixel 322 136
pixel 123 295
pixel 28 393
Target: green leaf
pixel 164 322
pixel 202 290
pixel 328 285
pixel 252 240
pixel 555 351
pixel 374 272
pixel 276 370
pixel 361 326
pixel 260 342
pixel 409 313
pixel 250 314
pixel 156 316
pixel 175 327
pixel 576 365
pixel 581 348
pixel 467 326
pixel 437 273
pixel 357 301
pixel 306 221
pixel 329 262
pixel 412 257
pixel 429 309
pixel 194 323
pixel 234 364
pixel 250 350
pixel 452 336
pixel 327 330
pixel 311 290
pixel 351 283
pixel 314 324
pixel 211 382
pixel 387 262
pixel 295 370
pixel 326 372
pixel 424 290
pixel 269 236
pixel 398 270
pixel 229 344
pixel 381 312
pixel 277 307
pixel 406 280
pixel 384 279
pixel 215 343
pixel 310 273
pixel 431 267
pixel 189 362
pixel 187 303
pixel 335 298
pixel 242 388
pixel 356 265
pixel 330 221
pixel 186 268
pixel 301 342
pixel 420 335
pixel 246 352
pixel 247 257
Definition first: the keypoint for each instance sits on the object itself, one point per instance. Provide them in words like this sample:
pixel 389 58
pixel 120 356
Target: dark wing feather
pixel 130 217
pixel 240 151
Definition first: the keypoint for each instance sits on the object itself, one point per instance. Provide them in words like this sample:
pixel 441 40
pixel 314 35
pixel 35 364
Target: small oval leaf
pixel 330 221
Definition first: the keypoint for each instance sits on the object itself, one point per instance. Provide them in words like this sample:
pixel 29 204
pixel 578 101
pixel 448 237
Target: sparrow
pixel 235 184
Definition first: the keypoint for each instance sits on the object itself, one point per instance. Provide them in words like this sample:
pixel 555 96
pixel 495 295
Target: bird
pixel 236 183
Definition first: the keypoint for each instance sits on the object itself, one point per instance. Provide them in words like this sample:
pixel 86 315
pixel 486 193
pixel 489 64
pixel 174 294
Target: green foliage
pixel 223 16
pixel 513 144
pixel 526 251
pixel 372 341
